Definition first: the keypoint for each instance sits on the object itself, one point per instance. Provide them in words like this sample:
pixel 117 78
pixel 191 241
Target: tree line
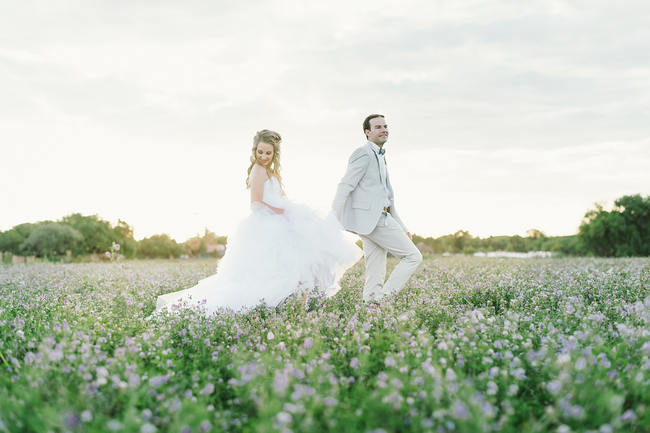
pixel 620 232
pixel 78 235
pixel 463 242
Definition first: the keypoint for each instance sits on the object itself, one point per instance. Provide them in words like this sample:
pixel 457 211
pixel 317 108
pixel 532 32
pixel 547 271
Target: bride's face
pixel 264 153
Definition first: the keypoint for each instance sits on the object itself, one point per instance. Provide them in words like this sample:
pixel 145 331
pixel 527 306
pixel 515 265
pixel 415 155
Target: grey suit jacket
pixel 359 199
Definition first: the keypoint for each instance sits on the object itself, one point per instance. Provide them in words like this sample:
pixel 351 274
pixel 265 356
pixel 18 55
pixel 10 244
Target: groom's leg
pixel 375 268
pixel 391 237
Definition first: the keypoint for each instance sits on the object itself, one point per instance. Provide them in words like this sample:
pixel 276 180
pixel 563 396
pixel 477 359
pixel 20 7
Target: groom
pixel 364 204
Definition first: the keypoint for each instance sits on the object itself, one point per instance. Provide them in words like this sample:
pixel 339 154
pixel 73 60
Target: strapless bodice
pixel 273 193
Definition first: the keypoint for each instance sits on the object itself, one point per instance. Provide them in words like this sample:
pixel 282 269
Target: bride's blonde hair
pixel 273 169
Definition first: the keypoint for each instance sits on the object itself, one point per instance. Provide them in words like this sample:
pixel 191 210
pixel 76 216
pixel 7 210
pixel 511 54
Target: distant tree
pixel 534 240
pixel 198 245
pixel 51 239
pixel 497 243
pixel 13 239
pixel 159 246
pixel 635 211
pixel 600 231
pixel 195 246
pixel 568 245
pixel 213 238
pixel 623 231
pixel 535 234
pixel 451 243
pixel 432 245
pixel 98 233
pixel 516 243
pixel 461 239
pixel 418 239
pixel 123 235
pixel 444 244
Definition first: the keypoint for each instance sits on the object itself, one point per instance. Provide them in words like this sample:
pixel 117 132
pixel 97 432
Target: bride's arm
pixel 258 177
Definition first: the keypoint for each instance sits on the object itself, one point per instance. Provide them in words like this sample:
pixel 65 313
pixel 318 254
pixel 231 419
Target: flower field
pixel 470 345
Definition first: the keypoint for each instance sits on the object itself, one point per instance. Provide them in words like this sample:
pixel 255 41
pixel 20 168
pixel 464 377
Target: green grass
pixel 471 344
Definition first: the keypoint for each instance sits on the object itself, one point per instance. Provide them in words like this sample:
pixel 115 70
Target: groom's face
pixel 378 132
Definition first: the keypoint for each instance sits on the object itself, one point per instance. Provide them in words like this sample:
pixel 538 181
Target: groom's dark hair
pixel 366 123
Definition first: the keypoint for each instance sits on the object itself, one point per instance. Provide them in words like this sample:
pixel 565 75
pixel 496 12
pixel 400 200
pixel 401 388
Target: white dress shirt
pixel 382 171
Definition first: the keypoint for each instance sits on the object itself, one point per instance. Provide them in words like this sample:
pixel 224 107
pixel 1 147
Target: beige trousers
pixel 388 236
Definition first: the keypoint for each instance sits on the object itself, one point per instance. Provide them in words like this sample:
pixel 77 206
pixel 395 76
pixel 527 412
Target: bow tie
pixel 381 151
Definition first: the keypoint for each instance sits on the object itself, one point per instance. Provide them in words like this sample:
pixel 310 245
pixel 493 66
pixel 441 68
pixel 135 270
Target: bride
pixel 279 249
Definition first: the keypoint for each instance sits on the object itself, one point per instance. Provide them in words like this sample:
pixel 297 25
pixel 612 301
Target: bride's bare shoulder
pixel 259 174
pixel 258 169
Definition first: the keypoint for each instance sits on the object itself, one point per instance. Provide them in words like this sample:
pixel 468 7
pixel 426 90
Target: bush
pixel 52 239
pixel 12 240
pixel 159 246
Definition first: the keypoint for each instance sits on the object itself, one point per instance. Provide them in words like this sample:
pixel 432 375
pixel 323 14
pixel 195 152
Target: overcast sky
pixel 504 115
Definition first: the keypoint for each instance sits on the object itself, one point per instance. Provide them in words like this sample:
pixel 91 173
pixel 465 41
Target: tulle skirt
pixel 269 258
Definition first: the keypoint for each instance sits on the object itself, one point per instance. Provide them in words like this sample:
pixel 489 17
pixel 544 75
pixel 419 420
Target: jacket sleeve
pixel 393 209
pixel 393 213
pixel 357 166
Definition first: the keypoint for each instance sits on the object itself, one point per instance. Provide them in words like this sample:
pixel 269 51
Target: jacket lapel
pixel 377 159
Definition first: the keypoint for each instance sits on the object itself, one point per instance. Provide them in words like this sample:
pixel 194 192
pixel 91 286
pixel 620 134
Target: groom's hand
pixel 409 235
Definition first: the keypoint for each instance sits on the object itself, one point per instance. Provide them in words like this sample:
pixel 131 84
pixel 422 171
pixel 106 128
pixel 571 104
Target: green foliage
pixel 97 237
pixel 98 234
pixel 52 239
pixel 470 345
pixel 622 232
pixel 567 245
pixel 462 239
pixel 463 242
pixel 198 245
pixel 12 240
pixel 159 246
pixel 517 244
pixel 123 235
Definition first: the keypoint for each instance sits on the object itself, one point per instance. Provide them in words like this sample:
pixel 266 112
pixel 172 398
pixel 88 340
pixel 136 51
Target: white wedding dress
pixel 270 257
